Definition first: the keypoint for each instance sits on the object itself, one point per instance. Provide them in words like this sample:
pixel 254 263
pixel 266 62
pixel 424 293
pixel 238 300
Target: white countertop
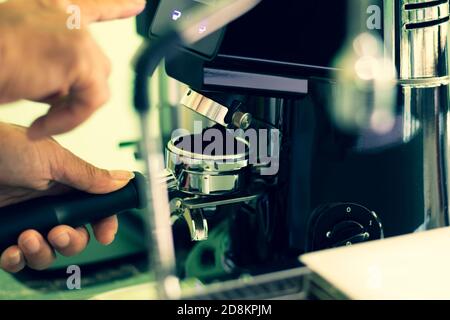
pixel 415 266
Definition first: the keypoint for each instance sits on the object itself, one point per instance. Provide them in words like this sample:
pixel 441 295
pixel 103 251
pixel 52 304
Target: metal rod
pixel 162 250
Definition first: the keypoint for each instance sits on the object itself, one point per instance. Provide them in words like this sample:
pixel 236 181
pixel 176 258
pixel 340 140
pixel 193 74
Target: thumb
pixel 77 173
pixel 94 10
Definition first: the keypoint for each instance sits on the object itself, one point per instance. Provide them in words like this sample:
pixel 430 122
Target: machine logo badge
pixel 176 14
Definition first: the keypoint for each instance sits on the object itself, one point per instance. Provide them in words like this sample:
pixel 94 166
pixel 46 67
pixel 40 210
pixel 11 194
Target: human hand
pixel 32 169
pixel 42 60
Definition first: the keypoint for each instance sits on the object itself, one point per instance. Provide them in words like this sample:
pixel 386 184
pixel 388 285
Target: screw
pixel 242 120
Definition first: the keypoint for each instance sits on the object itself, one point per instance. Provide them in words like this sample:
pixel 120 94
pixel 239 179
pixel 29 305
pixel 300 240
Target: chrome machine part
pixel 214 111
pixel 197 224
pixel 191 210
pixel 209 184
pixel 431 106
pixel 422 54
pixel 169 179
pixel 423 29
pixel 206 107
pixel 205 175
pixel 208 181
pixel 242 120
pixel 211 202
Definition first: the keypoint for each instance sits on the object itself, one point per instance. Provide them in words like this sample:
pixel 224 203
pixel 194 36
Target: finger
pixel 89 90
pixel 38 253
pixel 65 114
pixel 94 10
pixel 12 260
pixel 74 172
pixel 67 240
pixel 105 230
pixel 54 98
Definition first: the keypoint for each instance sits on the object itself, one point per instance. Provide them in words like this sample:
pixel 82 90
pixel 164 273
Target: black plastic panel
pixel 171 12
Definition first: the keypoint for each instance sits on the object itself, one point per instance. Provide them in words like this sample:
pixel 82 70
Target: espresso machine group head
pixel 274 71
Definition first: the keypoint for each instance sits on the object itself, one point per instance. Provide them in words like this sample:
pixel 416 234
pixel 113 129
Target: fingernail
pixel 62 240
pixel 14 258
pixel 121 175
pixel 112 237
pixel 31 245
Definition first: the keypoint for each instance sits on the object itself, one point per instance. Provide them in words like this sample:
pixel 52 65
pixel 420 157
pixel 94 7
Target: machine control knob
pixel 342 224
pixel 348 233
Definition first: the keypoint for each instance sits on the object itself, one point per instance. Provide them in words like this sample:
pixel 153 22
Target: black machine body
pixel 333 188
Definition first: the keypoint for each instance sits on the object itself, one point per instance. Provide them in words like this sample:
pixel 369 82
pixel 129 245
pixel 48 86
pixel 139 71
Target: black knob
pixel 347 233
pixel 340 224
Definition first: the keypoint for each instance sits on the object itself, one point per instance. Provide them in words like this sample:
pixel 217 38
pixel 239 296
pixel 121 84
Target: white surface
pixel 415 266
pixel 145 291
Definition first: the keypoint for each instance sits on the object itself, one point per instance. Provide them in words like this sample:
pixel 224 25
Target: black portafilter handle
pixel 74 209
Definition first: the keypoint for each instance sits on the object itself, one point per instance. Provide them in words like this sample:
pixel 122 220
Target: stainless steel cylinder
pixel 422 33
pixel 430 105
pixel 419 46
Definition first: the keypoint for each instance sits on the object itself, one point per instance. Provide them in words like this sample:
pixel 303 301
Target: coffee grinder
pixel 275 68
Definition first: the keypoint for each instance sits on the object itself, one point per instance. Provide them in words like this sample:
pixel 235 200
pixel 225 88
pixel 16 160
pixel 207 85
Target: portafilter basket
pixel 201 174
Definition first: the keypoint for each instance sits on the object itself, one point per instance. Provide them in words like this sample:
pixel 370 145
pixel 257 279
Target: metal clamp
pixel 214 111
